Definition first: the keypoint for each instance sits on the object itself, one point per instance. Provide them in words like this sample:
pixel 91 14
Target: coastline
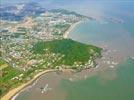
pixel 13 92
pixel 16 90
pixel 65 35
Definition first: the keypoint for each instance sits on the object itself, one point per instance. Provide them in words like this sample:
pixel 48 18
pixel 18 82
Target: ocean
pixel 111 84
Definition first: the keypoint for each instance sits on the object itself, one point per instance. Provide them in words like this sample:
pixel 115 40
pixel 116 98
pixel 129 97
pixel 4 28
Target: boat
pixel 111 66
pixel 45 89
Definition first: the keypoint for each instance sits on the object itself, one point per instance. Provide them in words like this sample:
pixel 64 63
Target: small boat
pixel 85 76
pixel 108 62
pixel 45 89
pixel 111 66
pixel 114 63
pixel 70 79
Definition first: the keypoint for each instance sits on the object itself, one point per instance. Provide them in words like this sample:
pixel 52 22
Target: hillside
pixel 73 51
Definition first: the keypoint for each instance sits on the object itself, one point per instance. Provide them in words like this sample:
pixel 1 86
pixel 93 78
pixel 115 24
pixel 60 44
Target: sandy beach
pixel 14 91
pixel 65 35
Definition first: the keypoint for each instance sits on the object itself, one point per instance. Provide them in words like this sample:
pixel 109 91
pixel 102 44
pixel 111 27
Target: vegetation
pixel 6 75
pixel 12 77
pixel 73 51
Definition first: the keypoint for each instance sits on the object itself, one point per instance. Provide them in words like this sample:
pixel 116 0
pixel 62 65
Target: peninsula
pixel 35 43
